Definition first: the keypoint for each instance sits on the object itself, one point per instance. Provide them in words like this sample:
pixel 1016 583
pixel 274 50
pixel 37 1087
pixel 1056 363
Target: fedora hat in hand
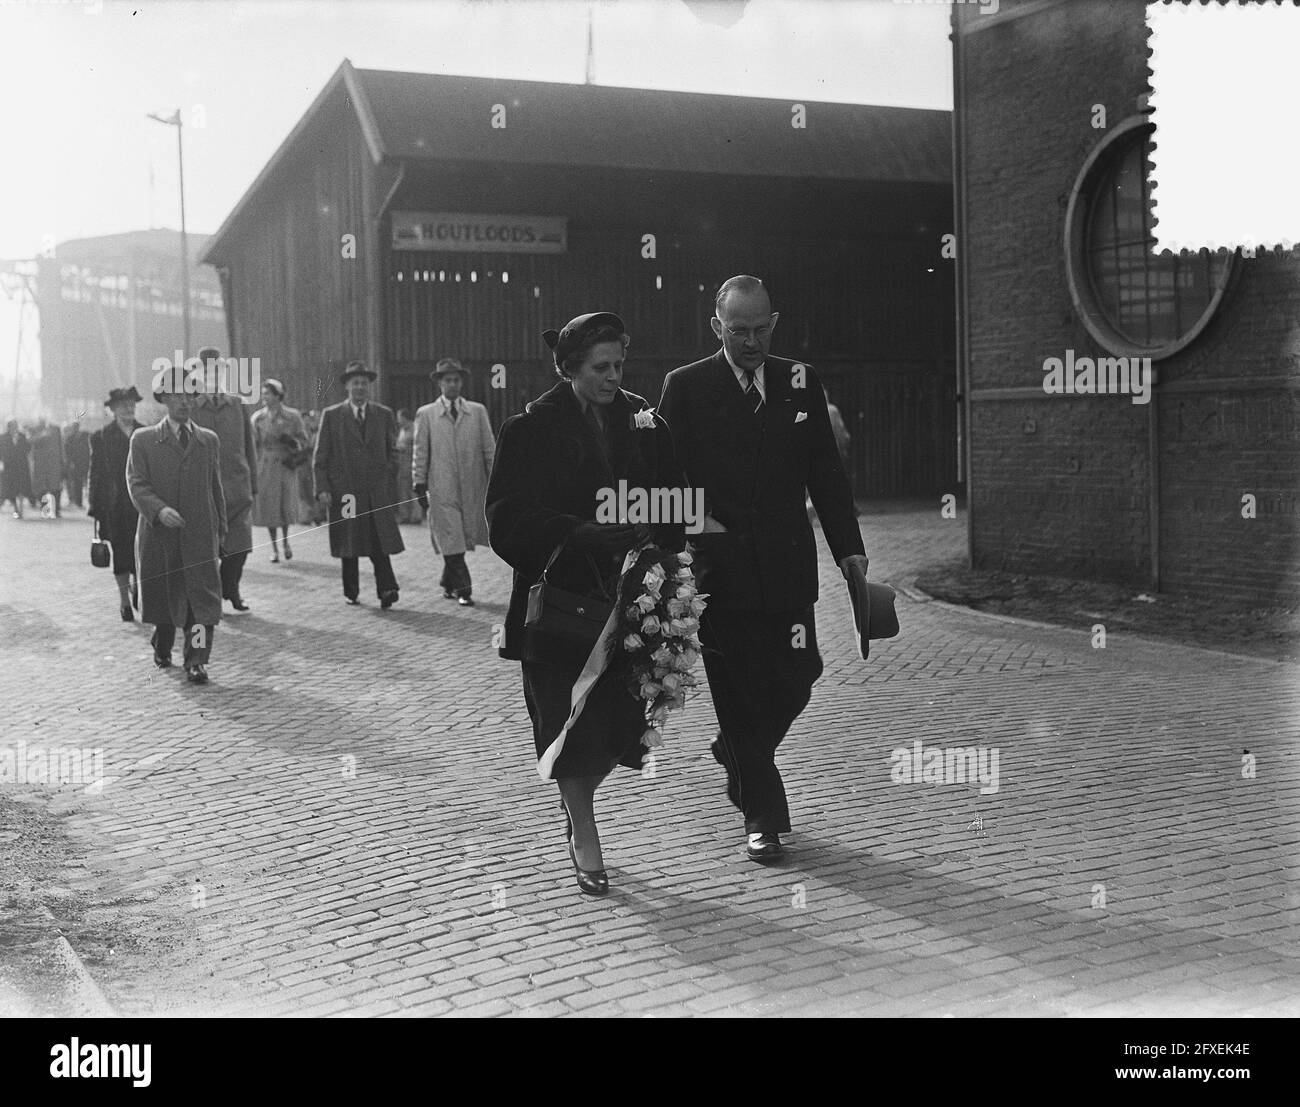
pixel 873 609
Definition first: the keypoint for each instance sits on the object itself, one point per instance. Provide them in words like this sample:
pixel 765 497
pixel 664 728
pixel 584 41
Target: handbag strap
pixel 595 569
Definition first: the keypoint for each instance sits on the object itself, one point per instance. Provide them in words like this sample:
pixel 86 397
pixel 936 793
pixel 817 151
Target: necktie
pixel 752 393
pixel 185 436
pixel 361 417
pixel 454 412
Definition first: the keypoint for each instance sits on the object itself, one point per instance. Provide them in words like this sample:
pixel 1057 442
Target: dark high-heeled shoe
pixel 128 616
pixel 591 882
pixel 288 550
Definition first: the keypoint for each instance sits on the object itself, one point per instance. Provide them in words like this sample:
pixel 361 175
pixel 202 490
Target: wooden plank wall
pixel 299 305
pixel 837 299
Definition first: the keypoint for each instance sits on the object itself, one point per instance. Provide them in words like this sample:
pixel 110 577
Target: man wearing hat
pixel 450 467
pixel 753 431
pixel 173 474
pixel 355 465
pixel 116 518
pixel 228 418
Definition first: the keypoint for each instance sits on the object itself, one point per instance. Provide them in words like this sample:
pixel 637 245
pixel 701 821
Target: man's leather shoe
pixel 162 660
pixel 448 595
pixel 387 600
pixel 464 601
pixel 352 600
pixel 196 674
pixel 764 847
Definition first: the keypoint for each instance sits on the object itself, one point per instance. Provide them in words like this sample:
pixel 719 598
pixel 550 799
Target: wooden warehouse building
pixel 409 217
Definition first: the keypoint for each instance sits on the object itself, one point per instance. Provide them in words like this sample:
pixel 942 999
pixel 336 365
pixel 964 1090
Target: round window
pixel 1135 303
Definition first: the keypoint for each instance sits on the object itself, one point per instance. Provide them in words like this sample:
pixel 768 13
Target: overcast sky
pixel 78 78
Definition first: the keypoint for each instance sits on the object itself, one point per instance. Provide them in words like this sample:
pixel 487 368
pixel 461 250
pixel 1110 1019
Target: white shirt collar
pixel 176 427
pixel 357 409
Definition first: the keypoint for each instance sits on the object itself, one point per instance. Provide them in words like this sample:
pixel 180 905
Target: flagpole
pixel 591 45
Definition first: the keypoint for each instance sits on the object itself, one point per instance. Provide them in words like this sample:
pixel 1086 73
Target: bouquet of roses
pixel 658 622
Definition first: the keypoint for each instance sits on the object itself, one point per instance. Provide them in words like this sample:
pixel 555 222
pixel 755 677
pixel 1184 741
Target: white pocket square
pixel 800 416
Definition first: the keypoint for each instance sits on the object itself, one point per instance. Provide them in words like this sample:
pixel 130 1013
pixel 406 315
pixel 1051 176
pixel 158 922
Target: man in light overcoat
pixel 450 467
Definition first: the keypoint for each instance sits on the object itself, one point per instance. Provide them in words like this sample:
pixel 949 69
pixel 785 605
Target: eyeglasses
pixel 757 333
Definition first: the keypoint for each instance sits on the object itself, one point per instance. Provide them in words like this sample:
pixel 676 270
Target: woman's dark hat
pixel 118 395
pixel 356 369
pixel 274 385
pixel 570 337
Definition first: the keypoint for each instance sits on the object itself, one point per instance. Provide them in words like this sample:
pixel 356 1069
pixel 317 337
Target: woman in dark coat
pixel 551 463
pixel 110 502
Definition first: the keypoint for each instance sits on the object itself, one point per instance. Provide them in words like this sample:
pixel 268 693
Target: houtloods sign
pixel 500 234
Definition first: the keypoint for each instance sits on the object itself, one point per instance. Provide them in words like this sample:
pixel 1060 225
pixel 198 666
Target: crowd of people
pixel 40 463
pixel 177 503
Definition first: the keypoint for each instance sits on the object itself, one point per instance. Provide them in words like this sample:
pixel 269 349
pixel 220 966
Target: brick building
pixel 1052 219
pixel 411 216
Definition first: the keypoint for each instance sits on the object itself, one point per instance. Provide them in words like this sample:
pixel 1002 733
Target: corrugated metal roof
pixel 431 117
pixel 425 116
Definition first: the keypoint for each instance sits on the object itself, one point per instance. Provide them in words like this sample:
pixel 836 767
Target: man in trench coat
pixel 228 418
pixel 356 478
pixel 450 466
pixel 173 475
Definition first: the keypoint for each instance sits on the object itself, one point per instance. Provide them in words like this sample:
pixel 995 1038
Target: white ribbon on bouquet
pixel 597 662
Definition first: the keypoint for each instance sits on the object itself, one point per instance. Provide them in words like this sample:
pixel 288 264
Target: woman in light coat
pixel 279 437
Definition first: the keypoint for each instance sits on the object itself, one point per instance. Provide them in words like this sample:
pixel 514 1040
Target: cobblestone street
pixel 348 820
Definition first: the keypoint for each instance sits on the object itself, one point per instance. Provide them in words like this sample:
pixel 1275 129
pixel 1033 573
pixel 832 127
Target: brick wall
pixel 1061 484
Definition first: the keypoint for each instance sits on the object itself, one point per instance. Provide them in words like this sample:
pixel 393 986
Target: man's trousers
pixel 761 669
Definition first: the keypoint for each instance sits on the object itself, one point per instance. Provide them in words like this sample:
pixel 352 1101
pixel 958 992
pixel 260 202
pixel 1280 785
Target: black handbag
pixel 100 551
pixel 560 625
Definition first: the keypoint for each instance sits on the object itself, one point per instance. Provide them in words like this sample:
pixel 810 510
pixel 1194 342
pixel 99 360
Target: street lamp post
pixel 175 121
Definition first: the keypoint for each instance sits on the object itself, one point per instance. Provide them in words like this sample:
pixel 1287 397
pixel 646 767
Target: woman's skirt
pixel 278 502
pixel 608 730
pixel 120 534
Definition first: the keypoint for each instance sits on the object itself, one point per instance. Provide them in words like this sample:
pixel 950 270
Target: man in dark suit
pixel 753 431
pixel 355 465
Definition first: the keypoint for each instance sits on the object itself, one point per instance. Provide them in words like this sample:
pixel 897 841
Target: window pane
pixel 1151 301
